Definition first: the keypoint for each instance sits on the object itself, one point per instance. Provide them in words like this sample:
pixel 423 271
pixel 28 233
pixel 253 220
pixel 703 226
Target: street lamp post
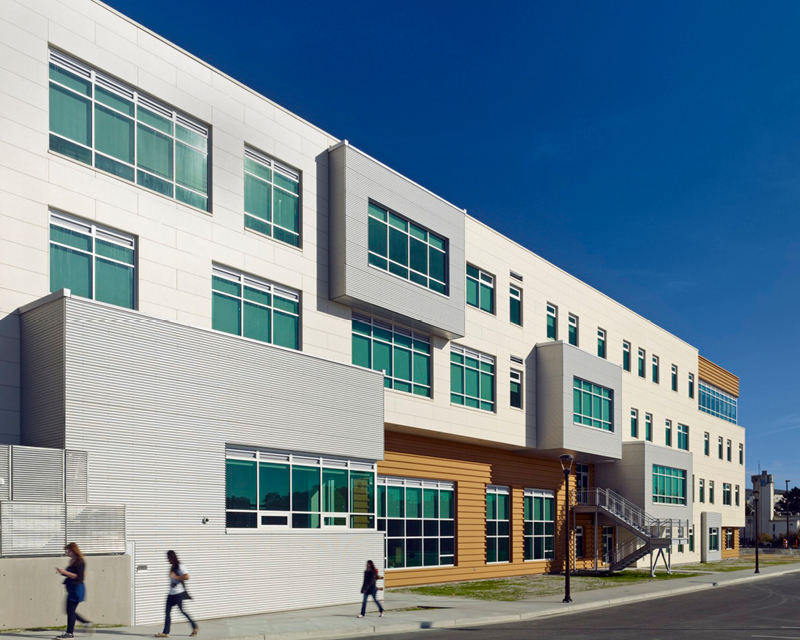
pixel 756 495
pixel 566 467
pixel 786 509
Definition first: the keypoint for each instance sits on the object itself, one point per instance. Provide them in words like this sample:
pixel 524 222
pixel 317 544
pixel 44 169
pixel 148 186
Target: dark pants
pixel 374 593
pixel 172 600
pixel 73 615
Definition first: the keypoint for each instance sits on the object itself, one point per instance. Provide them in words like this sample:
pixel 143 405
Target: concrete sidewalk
pixel 427 612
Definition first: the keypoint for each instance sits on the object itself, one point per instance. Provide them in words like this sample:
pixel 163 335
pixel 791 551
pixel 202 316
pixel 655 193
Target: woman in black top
pixel 76 589
pixel 370 588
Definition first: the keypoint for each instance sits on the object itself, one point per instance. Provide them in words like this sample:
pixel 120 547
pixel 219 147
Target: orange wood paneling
pixel 731 553
pixel 716 375
pixel 472 467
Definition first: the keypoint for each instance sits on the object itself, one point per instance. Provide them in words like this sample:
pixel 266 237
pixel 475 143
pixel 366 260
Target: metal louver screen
pixel 32 529
pixel 37 474
pixel 5 475
pixel 76 476
pixel 97 528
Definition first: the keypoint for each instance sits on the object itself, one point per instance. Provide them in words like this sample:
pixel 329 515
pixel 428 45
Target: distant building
pixel 769 519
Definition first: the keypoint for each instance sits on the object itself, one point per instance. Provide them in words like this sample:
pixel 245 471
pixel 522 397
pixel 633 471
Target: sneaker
pixel 65 636
pixel 162 635
pixel 195 630
pixel 382 612
pixel 360 615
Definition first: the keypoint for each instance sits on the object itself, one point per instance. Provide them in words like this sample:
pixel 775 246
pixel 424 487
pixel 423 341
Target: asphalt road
pixel 766 609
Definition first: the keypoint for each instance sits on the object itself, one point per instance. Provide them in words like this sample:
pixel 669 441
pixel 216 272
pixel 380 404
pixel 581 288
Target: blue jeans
pixel 374 593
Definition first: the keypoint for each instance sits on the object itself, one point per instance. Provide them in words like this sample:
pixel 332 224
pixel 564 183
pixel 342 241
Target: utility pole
pixel 786 508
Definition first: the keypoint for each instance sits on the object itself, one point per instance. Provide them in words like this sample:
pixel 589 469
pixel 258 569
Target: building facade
pixel 278 353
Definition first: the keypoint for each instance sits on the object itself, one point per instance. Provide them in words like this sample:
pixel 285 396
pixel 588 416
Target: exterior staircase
pixel 650 534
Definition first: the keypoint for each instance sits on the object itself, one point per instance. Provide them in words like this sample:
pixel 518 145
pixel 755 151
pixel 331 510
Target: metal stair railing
pixel 627 548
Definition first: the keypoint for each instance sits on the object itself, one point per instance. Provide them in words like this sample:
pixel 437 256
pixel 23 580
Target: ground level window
pixel 539 524
pixel 418 517
pixel 498 524
pixel 579 548
pixel 713 539
pixel 271 490
pixel 729 539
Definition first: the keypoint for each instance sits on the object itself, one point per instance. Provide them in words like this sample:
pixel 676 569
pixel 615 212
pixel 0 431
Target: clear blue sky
pixel 651 149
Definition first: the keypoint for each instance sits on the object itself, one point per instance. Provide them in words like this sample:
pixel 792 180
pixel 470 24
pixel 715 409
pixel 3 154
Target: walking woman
pixel 74 576
pixel 370 588
pixel 177 594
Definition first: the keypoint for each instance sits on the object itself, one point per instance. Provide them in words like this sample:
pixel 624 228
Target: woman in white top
pixel 177 594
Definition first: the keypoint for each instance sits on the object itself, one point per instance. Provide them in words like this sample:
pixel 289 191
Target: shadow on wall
pixel 10 357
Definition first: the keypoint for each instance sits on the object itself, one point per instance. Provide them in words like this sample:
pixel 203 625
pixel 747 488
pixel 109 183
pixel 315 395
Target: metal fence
pixel 43 528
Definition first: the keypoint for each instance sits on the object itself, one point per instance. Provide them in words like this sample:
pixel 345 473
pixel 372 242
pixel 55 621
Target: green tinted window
pixel 480 289
pixel 272 198
pixel 471 379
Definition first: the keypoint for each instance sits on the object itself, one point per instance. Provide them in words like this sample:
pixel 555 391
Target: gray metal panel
pixel 355 178
pixel 96 528
pixel 76 476
pixel 557 364
pixel 32 529
pixel 5 472
pixel 154 404
pixel 37 474
pixel 43 370
pixel 709 520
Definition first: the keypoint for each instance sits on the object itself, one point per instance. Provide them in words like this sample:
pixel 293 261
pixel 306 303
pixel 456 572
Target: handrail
pixel 625 549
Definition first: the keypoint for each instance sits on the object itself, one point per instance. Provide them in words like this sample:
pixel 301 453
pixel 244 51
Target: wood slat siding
pixel 731 553
pixel 472 468
pixel 716 375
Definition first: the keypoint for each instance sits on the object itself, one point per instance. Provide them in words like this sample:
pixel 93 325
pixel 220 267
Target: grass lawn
pixel 737 564
pixel 525 587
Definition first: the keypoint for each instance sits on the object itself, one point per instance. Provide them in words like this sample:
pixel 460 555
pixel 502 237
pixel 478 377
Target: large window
pixel 515 305
pixel 515 382
pixel 683 437
pixel 103 123
pixel 248 306
pixel 271 198
pixel 406 250
pixel 498 524
pixel 270 490
pixel 92 261
pixel 552 322
pixel 726 494
pixel 418 517
pixel 540 527
pixel 573 330
pixel 669 485
pixel 404 356
pixel 592 405
pixel 471 378
pixel 601 343
pixel 480 289
pixel 718 403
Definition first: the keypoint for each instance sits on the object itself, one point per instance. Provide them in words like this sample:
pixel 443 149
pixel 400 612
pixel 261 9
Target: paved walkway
pixel 430 612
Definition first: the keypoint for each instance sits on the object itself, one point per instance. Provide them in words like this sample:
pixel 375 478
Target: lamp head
pixel 566 461
pixel 756 494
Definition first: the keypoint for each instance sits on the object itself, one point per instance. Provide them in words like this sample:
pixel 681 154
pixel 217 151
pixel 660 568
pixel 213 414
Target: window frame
pixel 642 365
pixel 483 278
pixel 95 232
pixel 713 538
pixel 729 451
pixel 552 312
pixel 691 386
pixel 518 374
pixel 683 436
pixel 656 369
pixel 736 494
pixel 601 343
pixel 138 100
pixel 414 347
pixel 579 387
pixel 707 444
pixel 668 432
pixel 288 173
pixel 718 403
pixel 515 300
pixel 669 485
pixel 482 358
pixel 530 528
pixel 243 280
pixel 710 492
pixel 674 378
pixel 720 447
pixel 439 486
pixel 727 494
pixel 302 460
pixel 626 356
pixel 648 427
pixel 374 256
pixel 498 490
pixel 741 453
pixel 634 423
pixel 573 331
pixel 702 491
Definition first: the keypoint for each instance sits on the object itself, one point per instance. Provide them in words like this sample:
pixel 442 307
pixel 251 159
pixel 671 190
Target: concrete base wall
pixel 33 594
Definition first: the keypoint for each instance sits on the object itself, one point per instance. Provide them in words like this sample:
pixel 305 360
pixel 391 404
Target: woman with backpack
pixel 177 594
pixel 370 588
pixel 74 576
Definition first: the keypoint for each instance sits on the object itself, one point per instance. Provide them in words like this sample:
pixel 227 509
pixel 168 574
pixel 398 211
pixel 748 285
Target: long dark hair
pixel 173 560
pixel 371 565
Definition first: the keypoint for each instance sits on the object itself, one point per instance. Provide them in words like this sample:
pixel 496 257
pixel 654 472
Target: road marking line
pixel 781 637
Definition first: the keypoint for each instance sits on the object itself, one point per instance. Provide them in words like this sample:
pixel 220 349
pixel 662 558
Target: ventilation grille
pixel 516 359
pixel 515 275
pixel 5 472
pixel 97 528
pixel 37 474
pixel 77 476
pixel 32 529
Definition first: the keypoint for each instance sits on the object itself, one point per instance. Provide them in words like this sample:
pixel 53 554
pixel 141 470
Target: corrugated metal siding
pixel 5 472
pixel 76 476
pixel 154 404
pixel 37 474
pixel 32 528
pixel 42 369
pixel 355 178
